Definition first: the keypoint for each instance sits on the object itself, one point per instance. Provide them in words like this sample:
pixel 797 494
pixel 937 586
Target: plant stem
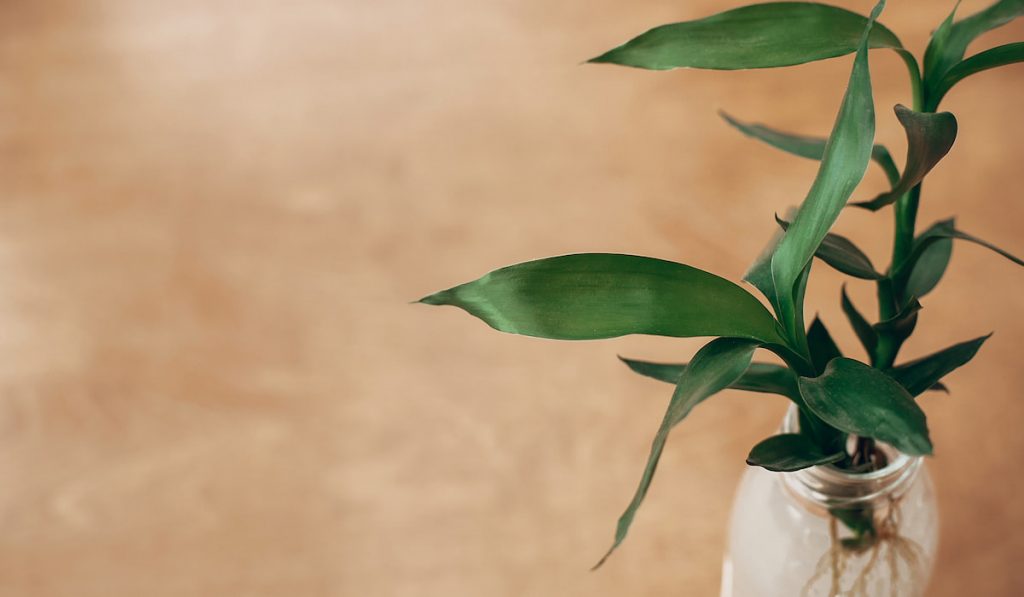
pixel 890 294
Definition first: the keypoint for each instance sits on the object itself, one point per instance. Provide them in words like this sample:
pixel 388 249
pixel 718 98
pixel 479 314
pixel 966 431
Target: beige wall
pixel 213 216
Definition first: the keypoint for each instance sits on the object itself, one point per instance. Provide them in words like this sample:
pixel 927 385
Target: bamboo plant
pixel 845 405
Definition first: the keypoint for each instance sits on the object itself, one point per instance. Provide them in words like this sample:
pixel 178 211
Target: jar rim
pixel 831 487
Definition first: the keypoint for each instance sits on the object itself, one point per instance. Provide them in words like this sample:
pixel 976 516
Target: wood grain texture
pixel 213 215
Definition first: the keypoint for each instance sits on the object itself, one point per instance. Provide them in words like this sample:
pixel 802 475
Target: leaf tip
pixel 438 298
pixel 604 558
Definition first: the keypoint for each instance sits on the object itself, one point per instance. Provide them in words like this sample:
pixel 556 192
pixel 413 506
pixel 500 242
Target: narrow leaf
pixel 859 399
pixel 949 44
pixel 790 452
pixel 759 36
pixel 808 147
pixel 715 367
pixel 865 331
pixel 600 295
pixel 929 139
pixel 759 377
pixel 929 256
pixel 842 168
pixel 823 347
pixel 840 253
pixel 923 374
pixel 982 61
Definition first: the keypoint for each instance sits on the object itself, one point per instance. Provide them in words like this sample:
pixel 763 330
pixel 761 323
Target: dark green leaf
pixel 840 252
pixel 758 36
pixel 790 452
pixel 924 373
pixel 865 331
pixel 929 256
pixel 823 347
pixel 759 275
pixel 932 260
pixel 982 61
pixel 808 147
pixel 859 399
pixel 842 167
pixel 759 377
pixel 961 235
pixel 899 327
pixel 949 44
pixel 929 138
pixel 715 367
pixel 600 295
pixel 938 387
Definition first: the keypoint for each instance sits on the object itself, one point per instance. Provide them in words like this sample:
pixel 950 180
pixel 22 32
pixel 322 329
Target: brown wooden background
pixel 213 215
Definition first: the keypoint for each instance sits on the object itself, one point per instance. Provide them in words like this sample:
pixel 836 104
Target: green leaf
pixel 923 374
pixel 840 253
pixel 929 139
pixel 759 275
pixel 758 36
pixel 823 347
pixel 808 147
pixel 759 377
pixel 601 295
pixel 865 331
pixel 982 61
pixel 715 367
pixel 790 452
pixel 932 260
pixel 899 327
pixel 859 399
pixel 930 255
pixel 842 168
pixel 949 44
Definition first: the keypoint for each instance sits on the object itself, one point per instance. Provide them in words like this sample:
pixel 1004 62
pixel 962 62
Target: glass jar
pixel 827 532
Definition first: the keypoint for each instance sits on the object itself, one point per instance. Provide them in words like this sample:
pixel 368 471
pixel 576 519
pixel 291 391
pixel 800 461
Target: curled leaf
pixel 929 138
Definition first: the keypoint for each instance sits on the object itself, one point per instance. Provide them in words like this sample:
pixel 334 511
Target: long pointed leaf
pixel 929 139
pixel 929 256
pixel 808 147
pixel 923 374
pixel 823 347
pixel 859 399
pixel 949 44
pixel 842 168
pixel 866 333
pixel 840 253
pixel 982 61
pixel 759 377
pixel 759 36
pixel 601 295
pixel 715 367
pixel 790 452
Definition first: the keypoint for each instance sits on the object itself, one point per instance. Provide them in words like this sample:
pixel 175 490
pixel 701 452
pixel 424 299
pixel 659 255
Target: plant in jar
pixel 854 415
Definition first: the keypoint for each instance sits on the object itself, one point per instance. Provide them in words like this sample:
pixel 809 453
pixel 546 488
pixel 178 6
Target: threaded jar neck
pixel 830 487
